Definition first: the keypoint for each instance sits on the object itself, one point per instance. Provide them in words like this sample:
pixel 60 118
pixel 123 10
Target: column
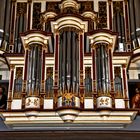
pixel 125 85
pixel 9 101
pixel 81 70
pixel 12 25
pixel 29 14
pixel 110 14
pixel 56 80
pixel 111 75
pixel 94 76
pixel 42 94
pixel 25 78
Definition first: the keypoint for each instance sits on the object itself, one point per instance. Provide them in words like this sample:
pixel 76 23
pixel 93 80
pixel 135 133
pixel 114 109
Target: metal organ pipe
pixel 31 65
pixel 33 70
pixel 29 70
pixel 107 72
pixel 77 64
pixel 102 69
pixel 60 63
pixel 34 75
pixel 63 53
pixel 70 61
pixel 73 62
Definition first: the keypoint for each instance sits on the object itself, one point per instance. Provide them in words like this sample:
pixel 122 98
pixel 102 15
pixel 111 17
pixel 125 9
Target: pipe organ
pixel 72 57
pixel 59 39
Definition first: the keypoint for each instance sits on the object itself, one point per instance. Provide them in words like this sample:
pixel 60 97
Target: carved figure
pixel 136 99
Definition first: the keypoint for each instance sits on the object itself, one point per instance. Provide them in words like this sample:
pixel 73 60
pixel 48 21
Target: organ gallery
pixel 70 62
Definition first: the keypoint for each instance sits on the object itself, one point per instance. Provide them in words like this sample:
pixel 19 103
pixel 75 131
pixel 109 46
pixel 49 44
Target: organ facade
pixel 70 61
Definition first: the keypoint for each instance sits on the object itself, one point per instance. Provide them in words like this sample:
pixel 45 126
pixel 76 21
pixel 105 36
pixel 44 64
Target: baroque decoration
pixel 70 61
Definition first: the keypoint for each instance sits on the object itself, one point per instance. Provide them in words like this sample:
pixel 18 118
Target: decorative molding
pixel 69 21
pixel 69 4
pixel 36 119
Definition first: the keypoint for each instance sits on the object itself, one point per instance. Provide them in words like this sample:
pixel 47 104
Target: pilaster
pixel 9 101
pixel 81 36
pixel 56 80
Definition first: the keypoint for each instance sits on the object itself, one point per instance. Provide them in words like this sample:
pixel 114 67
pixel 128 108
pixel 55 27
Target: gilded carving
pixel 102 15
pixel 86 6
pixel 36 16
pixel 118 7
pixel 104 101
pixel 52 7
pixel 28 102
pixel 68 99
pixel 21 8
pixel 101 93
pixel 110 46
pixel 12 66
pixel 35 102
pixel 82 99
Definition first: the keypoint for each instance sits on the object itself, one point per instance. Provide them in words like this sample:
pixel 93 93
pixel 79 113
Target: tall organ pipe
pixel 70 61
pixel 102 68
pixel 77 64
pixel 64 61
pixel 34 74
pixel 73 62
pixel 60 63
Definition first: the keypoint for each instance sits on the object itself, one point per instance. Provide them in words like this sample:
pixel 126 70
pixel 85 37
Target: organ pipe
pixel 34 74
pixel 102 69
pixel 68 61
pixel 73 62
pixel 64 61
pixel 69 53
